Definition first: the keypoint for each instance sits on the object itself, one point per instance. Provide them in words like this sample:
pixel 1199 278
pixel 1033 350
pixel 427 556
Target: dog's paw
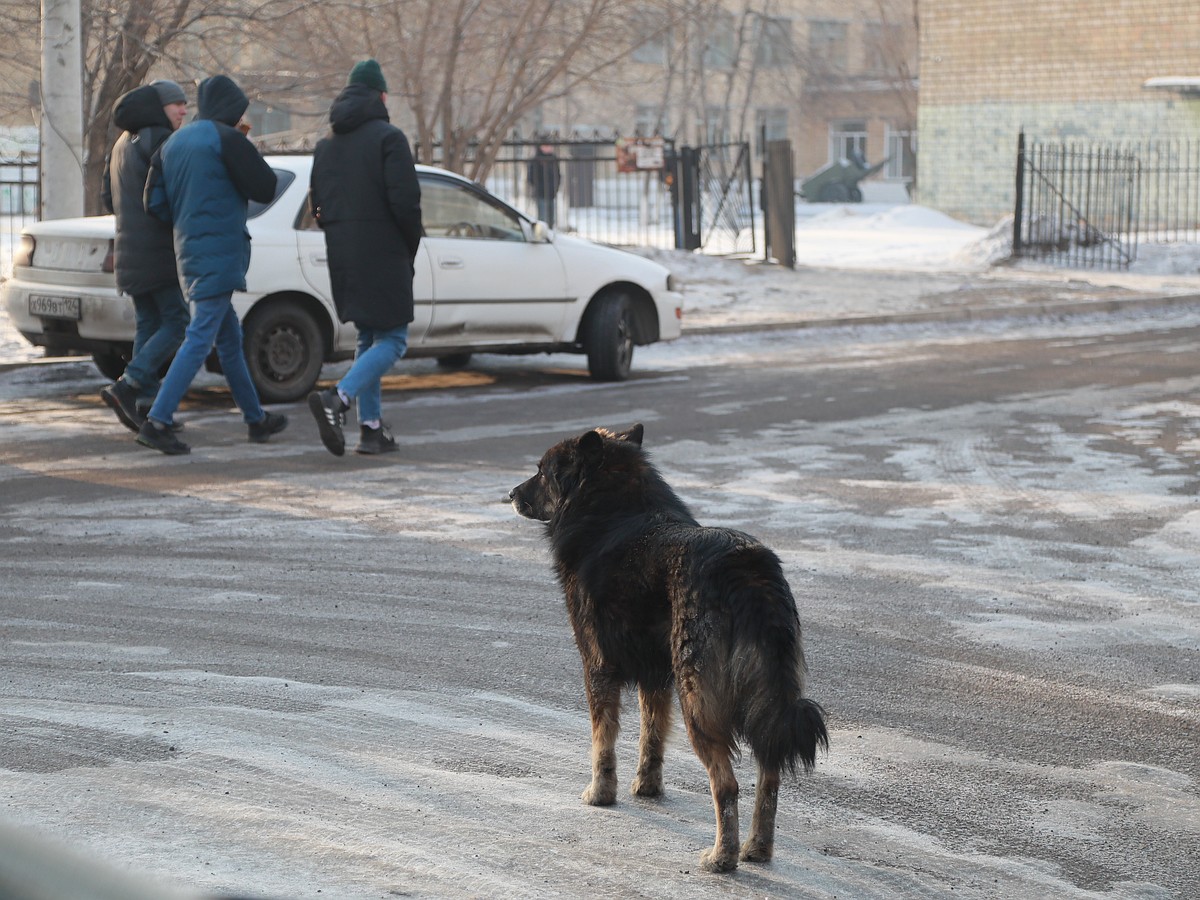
pixel 600 794
pixel 757 851
pixel 717 861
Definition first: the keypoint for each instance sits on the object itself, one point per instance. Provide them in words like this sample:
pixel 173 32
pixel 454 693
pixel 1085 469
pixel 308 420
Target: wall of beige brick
pixel 1068 69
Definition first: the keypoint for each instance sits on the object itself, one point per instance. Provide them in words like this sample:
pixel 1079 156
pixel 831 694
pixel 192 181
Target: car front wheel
pixel 284 350
pixel 609 338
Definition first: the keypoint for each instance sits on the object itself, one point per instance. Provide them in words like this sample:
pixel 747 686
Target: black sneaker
pixel 376 440
pixel 272 423
pixel 123 400
pixel 175 425
pixel 330 412
pixel 161 438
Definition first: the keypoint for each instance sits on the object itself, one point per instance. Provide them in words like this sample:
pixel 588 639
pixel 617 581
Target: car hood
pixel 648 273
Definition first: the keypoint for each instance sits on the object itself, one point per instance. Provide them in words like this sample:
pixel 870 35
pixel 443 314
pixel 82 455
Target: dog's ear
pixel 632 436
pixel 591 447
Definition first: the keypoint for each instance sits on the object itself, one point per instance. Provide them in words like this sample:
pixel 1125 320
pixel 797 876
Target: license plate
pixel 54 307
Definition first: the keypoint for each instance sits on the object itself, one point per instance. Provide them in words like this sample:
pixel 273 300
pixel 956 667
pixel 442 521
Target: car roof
pixel 301 164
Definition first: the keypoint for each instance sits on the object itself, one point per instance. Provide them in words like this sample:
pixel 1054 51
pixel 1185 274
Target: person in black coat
pixel 143 253
pixel 365 196
pixel 544 177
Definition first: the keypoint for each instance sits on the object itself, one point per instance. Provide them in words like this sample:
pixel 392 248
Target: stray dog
pixel 657 600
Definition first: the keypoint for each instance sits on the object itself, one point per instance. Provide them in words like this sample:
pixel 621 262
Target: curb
pixel 966 314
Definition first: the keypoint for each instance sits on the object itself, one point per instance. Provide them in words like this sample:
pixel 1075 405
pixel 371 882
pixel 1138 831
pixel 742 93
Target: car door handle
pixel 318 259
pixel 450 262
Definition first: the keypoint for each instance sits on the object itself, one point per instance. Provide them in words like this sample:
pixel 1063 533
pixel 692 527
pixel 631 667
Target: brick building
pixel 1083 70
pixel 833 76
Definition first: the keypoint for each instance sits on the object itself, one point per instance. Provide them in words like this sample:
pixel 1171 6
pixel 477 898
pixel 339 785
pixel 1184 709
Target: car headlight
pixel 24 253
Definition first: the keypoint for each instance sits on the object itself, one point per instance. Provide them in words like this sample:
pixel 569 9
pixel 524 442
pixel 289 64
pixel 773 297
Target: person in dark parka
pixel 201 180
pixel 365 196
pixel 143 253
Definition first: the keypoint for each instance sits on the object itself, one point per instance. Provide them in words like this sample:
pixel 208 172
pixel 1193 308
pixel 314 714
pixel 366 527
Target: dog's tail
pixel 788 736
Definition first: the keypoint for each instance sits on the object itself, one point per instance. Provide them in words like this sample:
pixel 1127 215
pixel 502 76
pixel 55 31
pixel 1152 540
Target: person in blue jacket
pixel 200 181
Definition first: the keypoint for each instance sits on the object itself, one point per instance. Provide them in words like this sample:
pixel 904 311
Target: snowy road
pixel 264 670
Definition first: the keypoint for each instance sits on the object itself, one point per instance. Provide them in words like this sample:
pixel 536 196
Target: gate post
pixel 779 202
pixel 687 200
pixel 1018 208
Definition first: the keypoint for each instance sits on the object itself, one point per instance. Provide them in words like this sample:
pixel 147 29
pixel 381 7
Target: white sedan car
pixel 488 280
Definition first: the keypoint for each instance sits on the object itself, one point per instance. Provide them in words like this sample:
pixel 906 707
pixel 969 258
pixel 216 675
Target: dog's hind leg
pixel 761 844
pixel 723 857
pixel 656 723
pixel 717 757
pixel 604 702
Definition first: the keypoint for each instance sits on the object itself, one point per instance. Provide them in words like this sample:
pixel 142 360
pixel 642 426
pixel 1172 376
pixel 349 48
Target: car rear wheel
pixel 454 360
pixel 284 350
pixel 609 338
pixel 111 365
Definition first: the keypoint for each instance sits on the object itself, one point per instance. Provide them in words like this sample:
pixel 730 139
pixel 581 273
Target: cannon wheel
pixel 855 195
pixel 834 193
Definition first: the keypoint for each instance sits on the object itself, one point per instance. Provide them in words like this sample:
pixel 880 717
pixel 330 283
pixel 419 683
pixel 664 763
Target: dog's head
pixel 562 468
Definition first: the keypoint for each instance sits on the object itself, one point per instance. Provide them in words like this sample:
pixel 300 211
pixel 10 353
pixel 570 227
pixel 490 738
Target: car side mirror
pixel 540 233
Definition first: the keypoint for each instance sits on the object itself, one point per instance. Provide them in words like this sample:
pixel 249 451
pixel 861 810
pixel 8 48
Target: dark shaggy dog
pixel 659 601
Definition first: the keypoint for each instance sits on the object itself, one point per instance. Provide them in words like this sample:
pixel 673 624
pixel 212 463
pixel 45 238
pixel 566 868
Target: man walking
pixel 544 178
pixel 365 197
pixel 143 254
pixel 200 181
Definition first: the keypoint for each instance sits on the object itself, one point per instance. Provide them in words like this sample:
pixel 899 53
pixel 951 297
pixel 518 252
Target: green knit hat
pixel 368 72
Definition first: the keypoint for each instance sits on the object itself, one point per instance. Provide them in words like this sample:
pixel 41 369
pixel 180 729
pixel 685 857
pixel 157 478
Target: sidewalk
pixel 756 296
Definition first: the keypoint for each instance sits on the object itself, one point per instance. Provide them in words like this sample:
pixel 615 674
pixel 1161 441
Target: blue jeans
pixel 214 322
pixel 162 318
pixel 377 352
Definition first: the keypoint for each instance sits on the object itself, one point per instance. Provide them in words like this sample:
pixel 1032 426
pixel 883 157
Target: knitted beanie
pixel 168 92
pixel 368 73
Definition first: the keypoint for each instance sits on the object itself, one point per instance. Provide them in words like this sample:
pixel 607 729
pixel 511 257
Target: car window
pixel 283 180
pixel 453 210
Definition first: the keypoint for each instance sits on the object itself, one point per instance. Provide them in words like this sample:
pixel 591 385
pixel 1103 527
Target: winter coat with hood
pixel 200 181
pixel 143 253
pixel 366 198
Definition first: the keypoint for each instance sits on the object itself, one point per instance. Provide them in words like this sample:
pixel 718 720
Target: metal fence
pixel 595 200
pixel 18 203
pixel 1089 205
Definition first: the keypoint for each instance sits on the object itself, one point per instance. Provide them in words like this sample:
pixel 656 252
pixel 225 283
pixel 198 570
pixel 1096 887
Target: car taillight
pixel 24 254
pixel 108 259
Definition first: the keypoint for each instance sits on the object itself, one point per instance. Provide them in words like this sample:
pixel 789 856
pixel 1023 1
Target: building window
pixel 265 119
pixel 716 125
pixel 773 42
pixel 647 120
pixel 718 49
pixel 828 49
pixel 848 140
pixel 652 51
pixel 885 49
pixel 902 155
pixel 769 125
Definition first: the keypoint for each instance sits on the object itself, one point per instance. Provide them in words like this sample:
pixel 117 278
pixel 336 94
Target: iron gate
pixel 1076 205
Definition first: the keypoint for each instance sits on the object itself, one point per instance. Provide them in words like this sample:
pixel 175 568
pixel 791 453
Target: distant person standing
pixel 544 177
pixel 365 196
pixel 143 253
pixel 200 181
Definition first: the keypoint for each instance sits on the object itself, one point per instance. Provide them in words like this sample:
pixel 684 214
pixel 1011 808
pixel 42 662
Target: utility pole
pixel 61 126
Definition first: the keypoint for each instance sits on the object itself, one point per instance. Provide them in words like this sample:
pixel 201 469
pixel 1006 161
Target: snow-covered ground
pixel 873 240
